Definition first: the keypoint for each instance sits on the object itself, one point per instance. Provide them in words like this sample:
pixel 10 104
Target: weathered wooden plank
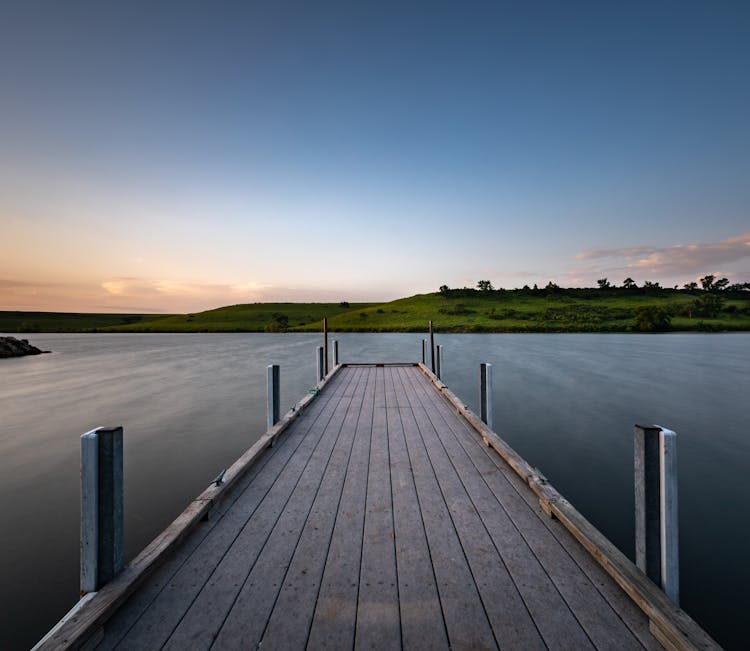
pixel 507 612
pixel 247 618
pixel 626 609
pixel 289 624
pixel 171 603
pixel 203 619
pixel 620 602
pixel 132 610
pixel 570 601
pixel 75 631
pixel 378 620
pixel 89 618
pixel 422 623
pixel 334 620
pixel 673 622
pixel 464 614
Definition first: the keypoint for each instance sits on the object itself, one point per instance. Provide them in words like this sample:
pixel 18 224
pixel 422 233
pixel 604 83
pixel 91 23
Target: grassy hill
pixel 251 317
pixel 563 310
pixel 456 310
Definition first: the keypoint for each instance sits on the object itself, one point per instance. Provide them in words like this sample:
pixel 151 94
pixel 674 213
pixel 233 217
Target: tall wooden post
pixel 432 348
pixel 101 507
pixel 438 360
pixel 423 353
pixel 485 393
pixel 319 371
pixel 656 521
pixel 272 394
pixel 335 352
pixel 325 346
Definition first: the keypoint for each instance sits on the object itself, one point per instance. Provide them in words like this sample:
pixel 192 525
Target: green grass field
pixel 467 310
pixel 517 311
pixel 251 317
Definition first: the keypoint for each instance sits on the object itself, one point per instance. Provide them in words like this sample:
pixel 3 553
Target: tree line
pixel 708 283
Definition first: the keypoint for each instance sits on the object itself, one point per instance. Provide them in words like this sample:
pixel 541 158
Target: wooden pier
pixel 386 515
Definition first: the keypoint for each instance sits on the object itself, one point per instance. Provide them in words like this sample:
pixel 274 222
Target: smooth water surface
pixel 192 403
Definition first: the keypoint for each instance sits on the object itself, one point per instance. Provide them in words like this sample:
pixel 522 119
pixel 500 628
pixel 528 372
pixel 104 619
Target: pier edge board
pixel 675 626
pixel 75 631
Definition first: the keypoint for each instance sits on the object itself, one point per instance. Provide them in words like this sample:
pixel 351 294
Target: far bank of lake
pixel 192 403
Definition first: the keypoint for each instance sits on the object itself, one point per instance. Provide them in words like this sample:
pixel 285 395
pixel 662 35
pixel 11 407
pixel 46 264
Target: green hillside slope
pixel 566 310
pixel 251 317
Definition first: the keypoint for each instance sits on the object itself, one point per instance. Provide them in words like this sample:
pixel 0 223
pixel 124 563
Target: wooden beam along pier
pixel 380 512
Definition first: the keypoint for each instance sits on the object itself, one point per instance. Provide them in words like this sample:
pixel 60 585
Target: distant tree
pixel 552 287
pixel 444 289
pixel 738 287
pixel 721 284
pixel 629 283
pixel 707 282
pixel 648 285
pixel 526 288
pixel 279 323
pixel 603 283
pixel 708 305
pixel 535 289
pixel 484 286
pixel 344 304
pixel 692 286
pixel 652 318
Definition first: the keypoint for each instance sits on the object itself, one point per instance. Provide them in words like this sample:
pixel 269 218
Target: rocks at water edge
pixel 12 347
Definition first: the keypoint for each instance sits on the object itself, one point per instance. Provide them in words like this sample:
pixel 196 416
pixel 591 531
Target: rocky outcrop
pixel 12 347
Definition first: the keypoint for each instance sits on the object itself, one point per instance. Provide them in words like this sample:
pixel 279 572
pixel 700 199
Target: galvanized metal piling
pixel 656 521
pixel 101 507
pixel 272 393
pixel 485 393
pixel 325 346
pixel 319 372
pixel 432 348
pixel 438 361
pixel 335 352
pixel 423 353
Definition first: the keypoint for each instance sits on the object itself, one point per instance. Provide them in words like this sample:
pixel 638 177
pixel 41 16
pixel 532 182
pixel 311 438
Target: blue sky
pixel 181 156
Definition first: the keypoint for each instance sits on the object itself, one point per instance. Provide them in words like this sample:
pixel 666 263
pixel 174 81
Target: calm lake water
pixel 191 404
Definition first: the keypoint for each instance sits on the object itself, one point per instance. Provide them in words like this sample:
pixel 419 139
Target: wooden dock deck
pixel 380 519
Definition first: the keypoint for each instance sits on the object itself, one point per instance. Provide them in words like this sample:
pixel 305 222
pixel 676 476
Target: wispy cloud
pixel 135 294
pixel 672 261
pixel 143 287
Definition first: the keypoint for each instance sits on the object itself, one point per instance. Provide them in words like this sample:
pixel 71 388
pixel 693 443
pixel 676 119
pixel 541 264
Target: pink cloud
pixel 676 260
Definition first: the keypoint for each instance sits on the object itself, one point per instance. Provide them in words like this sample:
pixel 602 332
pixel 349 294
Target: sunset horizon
pixel 214 156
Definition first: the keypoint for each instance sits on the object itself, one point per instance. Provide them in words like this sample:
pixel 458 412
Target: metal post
pixel 423 355
pixel 101 507
pixel 272 394
pixel 669 534
pixel 89 511
pixel 485 393
pixel 438 360
pixel 335 352
pixel 656 524
pixel 325 346
pixel 432 348
pixel 319 374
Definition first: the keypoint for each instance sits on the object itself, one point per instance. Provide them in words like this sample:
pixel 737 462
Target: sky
pixel 180 156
